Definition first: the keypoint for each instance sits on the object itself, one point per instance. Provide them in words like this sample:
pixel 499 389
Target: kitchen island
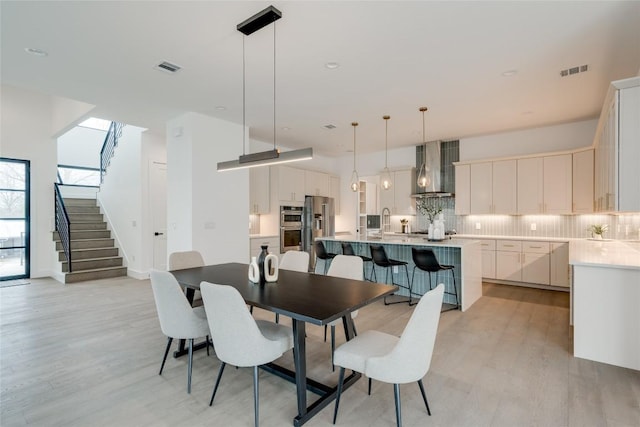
pixel 464 255
pixel 605 301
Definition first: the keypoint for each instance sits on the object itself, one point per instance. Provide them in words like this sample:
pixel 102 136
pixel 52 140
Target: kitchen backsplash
pixel 624 227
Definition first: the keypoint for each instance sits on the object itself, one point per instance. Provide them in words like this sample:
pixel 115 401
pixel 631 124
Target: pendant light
pixel 424 179
pixel 386 175
pixel 355 181
pixel 249 26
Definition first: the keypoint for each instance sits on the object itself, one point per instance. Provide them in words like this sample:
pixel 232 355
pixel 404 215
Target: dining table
pixel 305 298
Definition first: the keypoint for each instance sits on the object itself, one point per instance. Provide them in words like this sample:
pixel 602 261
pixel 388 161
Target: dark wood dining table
pixel 305 298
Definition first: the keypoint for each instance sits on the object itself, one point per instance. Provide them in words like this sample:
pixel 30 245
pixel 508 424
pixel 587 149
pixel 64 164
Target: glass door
pixel 14 219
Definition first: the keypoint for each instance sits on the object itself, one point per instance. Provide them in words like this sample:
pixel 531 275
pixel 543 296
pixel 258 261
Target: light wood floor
pixel 88 354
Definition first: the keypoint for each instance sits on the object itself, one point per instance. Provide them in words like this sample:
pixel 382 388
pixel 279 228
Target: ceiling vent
pixel 168 67
pixel 574 70
pixel 329 126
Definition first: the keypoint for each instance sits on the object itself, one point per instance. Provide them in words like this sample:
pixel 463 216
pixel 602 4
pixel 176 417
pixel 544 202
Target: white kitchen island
pixel 464 255
pixel 605 298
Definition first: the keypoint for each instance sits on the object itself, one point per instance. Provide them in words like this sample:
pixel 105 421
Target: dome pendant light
pixel 423 177
pixel 355 181
pixel 386 175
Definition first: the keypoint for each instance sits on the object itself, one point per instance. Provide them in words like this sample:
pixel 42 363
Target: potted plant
pixel 429 207
pixel 405 225
pixel 597 230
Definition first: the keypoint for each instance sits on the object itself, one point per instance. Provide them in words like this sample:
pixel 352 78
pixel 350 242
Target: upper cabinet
pixel 545 185
pixel 316 183
pixel 530 185
pixel 617 152
pixel 463 189
pixel 583 181
pixel 398 198
pixel 492 187
pixel 259 190
pixel 291 184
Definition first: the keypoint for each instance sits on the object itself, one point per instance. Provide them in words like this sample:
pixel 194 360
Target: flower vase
pixel 261 259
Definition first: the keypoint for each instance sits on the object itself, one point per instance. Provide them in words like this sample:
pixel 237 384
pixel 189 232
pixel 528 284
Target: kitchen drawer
pixel 535 247
pixel 509 245
pixel 488 245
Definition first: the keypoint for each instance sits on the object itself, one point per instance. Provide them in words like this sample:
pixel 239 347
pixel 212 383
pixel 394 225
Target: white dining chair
pixel 394 360
pixel 347 267
pixel 294 261
pixel 177 318
pixel 186 259
pixel 238 338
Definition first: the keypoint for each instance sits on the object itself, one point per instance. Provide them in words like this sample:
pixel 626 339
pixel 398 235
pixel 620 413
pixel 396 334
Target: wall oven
pixel 290 228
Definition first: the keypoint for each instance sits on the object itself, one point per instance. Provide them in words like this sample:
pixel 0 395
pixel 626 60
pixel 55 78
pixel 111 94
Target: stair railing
pixel 63 225
pixel 108 147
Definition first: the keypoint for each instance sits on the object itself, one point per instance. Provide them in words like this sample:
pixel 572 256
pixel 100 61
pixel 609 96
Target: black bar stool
pixel 321 253
pixel 347 249
pixel 380 259
pixel 425 259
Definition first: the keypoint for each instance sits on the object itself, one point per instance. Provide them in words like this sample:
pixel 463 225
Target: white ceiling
pixel 394 57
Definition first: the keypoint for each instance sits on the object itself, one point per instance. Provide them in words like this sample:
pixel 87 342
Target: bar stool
pixel 425 260
pixel 321 253
pixel 347 249
pixel 380 259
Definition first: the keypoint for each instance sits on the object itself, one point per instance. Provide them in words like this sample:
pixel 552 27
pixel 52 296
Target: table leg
pixel 349 327
pixel 300 361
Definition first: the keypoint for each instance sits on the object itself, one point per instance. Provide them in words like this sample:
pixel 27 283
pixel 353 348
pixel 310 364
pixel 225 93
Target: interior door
pixel 158 203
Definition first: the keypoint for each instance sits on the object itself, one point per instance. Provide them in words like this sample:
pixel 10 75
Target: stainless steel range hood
pixel 437 157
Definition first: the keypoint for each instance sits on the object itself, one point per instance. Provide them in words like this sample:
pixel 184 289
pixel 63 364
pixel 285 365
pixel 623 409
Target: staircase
pixel 93 253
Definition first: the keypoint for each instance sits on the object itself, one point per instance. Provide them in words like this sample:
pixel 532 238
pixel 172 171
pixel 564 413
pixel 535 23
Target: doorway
pixel 14 219
pixel 158 199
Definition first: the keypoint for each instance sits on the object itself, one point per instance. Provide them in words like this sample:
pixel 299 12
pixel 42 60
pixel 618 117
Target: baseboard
pixel 136 274
pixel 526 285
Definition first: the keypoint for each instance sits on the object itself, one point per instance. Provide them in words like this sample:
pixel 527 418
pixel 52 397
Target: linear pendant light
pixel 270 157
pixel 424 179
pixel 386 175
pixel 355 181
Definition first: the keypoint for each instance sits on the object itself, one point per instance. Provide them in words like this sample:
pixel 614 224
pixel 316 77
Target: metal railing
pixel 109 146
pixel 79 176
pixel 63 225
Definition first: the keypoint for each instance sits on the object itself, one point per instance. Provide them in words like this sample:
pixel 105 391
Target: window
pixel 14 219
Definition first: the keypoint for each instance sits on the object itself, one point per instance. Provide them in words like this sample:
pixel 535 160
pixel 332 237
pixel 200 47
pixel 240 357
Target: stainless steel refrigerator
pixel 318 221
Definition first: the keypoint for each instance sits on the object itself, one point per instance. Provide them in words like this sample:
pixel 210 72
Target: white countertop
pixel 406 240
pixel 527 238
pixel 262 236
pixel 605 253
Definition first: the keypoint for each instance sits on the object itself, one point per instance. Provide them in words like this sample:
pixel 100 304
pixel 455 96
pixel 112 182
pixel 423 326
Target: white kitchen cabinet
pixel 404 204
pixel 334 191
pixel 372 199
pixel 290 184
pixel 316 183
pixel 522 261
pixel 530 185
pixel 463 189
pixel 504 188
pixel 558 184
pixel 255 243
pixel 259 190
pixel 582 172
pixel 617 152
pixel 481 197
pixel 488 258
pixel 559 265
pixel 387 197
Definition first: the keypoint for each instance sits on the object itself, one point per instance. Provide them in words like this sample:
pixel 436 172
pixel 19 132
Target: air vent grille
pixel 574 70
pixel 168 67
pixel 329 126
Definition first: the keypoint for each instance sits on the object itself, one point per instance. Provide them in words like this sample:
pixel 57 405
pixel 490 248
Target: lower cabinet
pixel 488 259
pixel 523 261
pixel 559 265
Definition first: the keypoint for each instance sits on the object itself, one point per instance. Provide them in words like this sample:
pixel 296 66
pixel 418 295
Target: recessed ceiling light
pixel 35 51
pixel 509 73
pixel 221 108
pixel 332 65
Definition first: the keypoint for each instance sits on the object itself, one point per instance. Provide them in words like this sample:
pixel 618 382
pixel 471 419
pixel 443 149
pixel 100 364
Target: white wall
pixel 81 147
pixel 207 210
pixel 120 198
pixel 25 133
pixel 67 113
pixel 567 136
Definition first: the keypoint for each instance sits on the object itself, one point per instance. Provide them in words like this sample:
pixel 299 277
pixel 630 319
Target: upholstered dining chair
pixel 394 360
pixel 347 267
pixel 294 261
pixel 321 253
pixel 239 339
pixel 177 318
pixel 186 259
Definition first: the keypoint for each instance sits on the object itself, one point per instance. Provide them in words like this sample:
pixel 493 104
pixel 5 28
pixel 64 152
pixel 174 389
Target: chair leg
pixel 369 388
pixel 413 280
pixel 339 392
pixel 325 333
pixel 207 338
pixel 373 273
pixel 277 317
pixel 455 288
pixel 166 352
pixel 326 265
pixel 424 396
pixel 409 284
pixel 189 365
pixel 396 394
pixel 255 395
pixel 333 345
pixel 215 387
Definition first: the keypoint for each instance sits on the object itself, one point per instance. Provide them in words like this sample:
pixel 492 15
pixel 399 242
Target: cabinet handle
pixel 536 247
pixel 508 246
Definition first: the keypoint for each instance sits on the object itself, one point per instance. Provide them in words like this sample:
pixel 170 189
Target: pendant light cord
pixel 274 85
pixel 244 102
pixel 354 124
pixel 386 138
